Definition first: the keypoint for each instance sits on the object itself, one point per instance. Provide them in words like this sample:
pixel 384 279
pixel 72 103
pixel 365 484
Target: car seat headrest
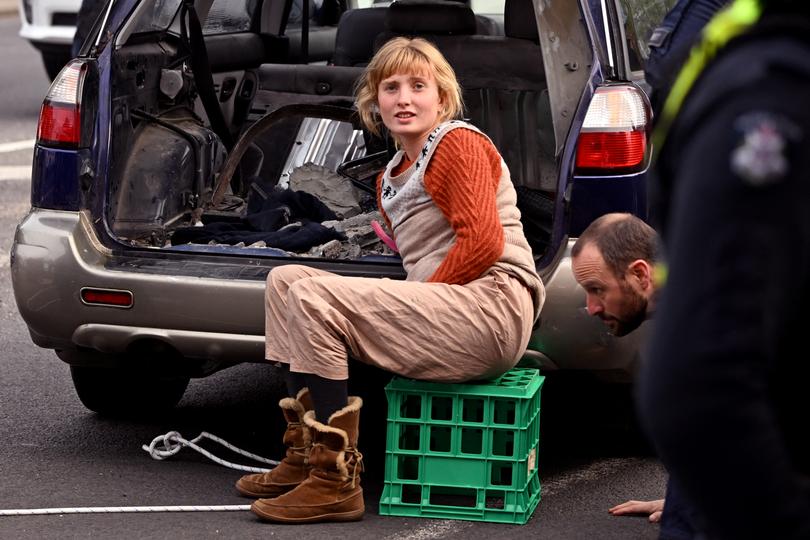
pixel 438 17
pixel 519 20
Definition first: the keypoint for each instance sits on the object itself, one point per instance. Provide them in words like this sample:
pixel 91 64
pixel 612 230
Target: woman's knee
pixel 311 298
pixel 300 293
pixel 281 278
pixel 287 274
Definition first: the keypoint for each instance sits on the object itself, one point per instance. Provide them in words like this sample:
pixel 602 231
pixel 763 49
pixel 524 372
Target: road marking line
pixel 122 510
pixel 16 146
pixel 15 172
pixel 595 471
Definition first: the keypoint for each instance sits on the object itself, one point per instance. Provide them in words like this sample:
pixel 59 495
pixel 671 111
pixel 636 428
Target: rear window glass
pixel 155 16
pixel 227 16
pixel 224 17
pixel 489 7
pixel 641 18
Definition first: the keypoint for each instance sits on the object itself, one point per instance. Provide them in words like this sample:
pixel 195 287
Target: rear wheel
pixel 120 391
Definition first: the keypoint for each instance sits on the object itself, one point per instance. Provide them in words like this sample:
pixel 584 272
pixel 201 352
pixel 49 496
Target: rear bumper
pixel 216 313
pixel 56 253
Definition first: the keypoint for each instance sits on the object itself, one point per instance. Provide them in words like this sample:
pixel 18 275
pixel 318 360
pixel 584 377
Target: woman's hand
pixel 652 508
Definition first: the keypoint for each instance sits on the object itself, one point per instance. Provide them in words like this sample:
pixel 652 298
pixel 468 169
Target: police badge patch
pixel 760 159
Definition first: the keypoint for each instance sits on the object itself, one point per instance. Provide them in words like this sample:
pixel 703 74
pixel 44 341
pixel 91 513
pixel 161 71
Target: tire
pixel 55 60
pixel 125 392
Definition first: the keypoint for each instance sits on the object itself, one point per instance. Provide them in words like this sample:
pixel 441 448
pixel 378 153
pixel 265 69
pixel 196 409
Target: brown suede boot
pixel 294 468
pixel 332 491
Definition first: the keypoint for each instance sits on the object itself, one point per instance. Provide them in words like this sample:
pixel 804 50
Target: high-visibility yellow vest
pixel 727 24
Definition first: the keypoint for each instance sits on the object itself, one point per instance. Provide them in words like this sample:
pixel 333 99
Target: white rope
pixel 123 509
pixel 173 442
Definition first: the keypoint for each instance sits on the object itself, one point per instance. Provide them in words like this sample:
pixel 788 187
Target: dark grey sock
pixel 328 396
pixel 294 381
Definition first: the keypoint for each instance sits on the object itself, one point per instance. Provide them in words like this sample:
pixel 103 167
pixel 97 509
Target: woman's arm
pixel 462 179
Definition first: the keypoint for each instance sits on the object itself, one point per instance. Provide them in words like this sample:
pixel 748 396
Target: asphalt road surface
pixel 56 454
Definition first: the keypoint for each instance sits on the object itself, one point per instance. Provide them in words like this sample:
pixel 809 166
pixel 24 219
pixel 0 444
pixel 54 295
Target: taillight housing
pixel 615 132
pixel 63 155
pixel 66 119
pixel 106 297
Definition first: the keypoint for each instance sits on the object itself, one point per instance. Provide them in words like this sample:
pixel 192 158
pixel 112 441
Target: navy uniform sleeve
pixel 723 394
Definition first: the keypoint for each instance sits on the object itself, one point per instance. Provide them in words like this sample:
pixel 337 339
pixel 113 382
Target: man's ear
pixel 642 271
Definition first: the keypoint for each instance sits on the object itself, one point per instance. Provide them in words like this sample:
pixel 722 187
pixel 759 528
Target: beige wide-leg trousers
pixel 315 320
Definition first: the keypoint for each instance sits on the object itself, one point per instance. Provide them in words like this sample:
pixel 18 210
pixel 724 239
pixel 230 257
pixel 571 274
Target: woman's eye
pixel 419 86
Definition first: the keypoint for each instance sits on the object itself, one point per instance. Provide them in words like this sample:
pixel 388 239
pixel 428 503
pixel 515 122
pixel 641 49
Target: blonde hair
pixel 407 55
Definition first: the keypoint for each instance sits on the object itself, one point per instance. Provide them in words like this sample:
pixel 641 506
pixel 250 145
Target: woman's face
pixel 409 106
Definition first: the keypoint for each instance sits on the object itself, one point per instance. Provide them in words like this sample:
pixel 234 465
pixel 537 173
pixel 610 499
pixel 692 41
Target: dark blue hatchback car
pixel 193 146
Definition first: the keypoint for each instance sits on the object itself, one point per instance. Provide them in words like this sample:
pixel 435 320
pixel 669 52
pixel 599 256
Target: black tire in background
pixel 116 391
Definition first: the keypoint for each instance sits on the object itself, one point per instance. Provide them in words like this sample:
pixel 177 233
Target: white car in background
pixel 49 25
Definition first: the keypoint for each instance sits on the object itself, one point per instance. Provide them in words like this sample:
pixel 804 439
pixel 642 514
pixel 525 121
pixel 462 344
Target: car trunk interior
pixel 300 179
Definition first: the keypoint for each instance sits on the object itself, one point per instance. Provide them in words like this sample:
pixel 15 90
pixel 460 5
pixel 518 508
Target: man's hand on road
pixel 652 508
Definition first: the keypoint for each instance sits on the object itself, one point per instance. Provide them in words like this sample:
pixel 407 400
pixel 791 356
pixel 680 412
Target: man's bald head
pixel 621 239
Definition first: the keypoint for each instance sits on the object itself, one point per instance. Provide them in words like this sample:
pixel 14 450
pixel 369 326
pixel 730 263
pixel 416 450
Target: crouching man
pixel 614 260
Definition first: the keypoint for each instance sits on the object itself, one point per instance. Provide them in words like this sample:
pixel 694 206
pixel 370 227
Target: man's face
pixel 617 300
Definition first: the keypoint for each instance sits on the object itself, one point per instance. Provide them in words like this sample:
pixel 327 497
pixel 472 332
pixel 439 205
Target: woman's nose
pixel 404 96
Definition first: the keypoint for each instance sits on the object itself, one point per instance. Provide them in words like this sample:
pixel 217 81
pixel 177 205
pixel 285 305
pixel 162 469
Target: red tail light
pixel 614 133
pixel 106 297
pixel 60 120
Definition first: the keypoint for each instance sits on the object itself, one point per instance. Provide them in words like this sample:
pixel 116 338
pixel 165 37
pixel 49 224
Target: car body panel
pixel 592 196
pixel 221 319
pixel 62 165
pixel 564 54
pixel 207 302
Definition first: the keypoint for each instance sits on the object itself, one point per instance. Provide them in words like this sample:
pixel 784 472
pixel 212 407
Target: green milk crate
pixel 463 451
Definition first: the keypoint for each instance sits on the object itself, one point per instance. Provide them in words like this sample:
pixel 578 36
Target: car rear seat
pixel 283 84
pixel 358 29
pixel 354 41
pixel 506 95
pixel 438 20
